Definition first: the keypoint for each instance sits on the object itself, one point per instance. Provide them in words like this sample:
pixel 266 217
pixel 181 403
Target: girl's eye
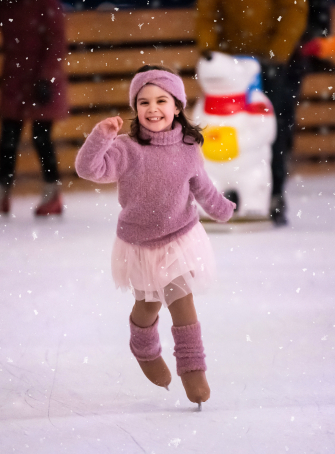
pixel 161 100
pixel 142 103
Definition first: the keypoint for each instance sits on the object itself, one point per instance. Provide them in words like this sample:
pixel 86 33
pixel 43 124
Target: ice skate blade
pixel 199 406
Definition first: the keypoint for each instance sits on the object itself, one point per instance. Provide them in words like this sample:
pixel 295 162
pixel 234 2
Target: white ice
pixel 69 384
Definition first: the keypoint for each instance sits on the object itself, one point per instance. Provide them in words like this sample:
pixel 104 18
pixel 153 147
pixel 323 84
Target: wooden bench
pixel 106 48
pixel 315 117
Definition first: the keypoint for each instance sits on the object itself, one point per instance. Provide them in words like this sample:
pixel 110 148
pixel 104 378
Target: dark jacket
pixel 267 29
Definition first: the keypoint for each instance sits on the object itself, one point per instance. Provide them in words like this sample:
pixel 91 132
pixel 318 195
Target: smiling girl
pixel 161 251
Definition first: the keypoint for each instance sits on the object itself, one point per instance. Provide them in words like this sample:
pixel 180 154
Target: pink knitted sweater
pixel 157 183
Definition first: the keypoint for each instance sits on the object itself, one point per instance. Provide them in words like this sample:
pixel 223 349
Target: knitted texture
pixel 188 349
pixel 157 183
pixel 169 82
pixel 144 342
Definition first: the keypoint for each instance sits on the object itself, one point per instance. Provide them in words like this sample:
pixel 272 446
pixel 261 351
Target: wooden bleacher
pixel 315 117
pixel 106 48
pixel 104 51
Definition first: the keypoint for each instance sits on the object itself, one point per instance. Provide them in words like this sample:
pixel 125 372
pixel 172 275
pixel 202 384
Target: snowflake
pixel 175 442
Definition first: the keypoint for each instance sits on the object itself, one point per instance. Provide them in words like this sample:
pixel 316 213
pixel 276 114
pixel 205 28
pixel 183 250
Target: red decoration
pixel 229 105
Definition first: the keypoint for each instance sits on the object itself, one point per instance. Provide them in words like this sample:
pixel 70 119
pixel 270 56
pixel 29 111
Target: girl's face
pixel 155 108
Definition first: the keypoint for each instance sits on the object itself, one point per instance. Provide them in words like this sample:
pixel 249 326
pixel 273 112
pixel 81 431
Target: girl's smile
pixel 155 108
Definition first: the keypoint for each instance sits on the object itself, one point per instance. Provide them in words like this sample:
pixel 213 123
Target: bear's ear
pixel 250 66
pixel 207 54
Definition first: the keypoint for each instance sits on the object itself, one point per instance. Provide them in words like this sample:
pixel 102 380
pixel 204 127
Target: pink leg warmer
pixel 144 342
pixel 189 349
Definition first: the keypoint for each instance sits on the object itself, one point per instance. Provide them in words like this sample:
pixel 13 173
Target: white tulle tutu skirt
pixel 167 273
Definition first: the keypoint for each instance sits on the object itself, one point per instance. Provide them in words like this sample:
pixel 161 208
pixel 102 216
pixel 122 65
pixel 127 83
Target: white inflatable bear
pixel 240 127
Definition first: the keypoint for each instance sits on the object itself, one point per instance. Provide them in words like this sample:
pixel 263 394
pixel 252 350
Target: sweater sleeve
pixel 102 158
pixel 205 193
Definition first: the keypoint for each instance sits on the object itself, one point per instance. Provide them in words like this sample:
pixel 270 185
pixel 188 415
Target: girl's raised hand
pixel 111 125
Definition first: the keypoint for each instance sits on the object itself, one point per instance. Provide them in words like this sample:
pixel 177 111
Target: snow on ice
pixel 69 383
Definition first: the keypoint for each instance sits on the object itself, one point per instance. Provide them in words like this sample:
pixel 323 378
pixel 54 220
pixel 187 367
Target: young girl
pixel 161 252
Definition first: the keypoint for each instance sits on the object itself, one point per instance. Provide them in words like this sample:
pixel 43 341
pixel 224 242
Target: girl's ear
pixel 176 111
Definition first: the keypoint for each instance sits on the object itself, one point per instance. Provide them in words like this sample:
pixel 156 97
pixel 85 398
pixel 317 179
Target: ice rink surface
pixel 69 384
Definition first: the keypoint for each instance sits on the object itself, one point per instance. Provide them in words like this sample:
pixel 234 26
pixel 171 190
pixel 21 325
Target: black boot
pixel 233 197
pixel 4 200
pixel 278 210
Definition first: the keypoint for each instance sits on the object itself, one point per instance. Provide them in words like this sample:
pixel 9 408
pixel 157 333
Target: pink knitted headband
pixel 169 82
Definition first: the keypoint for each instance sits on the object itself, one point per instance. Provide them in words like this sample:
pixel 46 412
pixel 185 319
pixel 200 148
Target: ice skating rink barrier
pixel 106 48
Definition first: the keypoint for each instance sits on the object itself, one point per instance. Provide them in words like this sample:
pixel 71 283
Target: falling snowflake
pixel 271 54
pixel 175 442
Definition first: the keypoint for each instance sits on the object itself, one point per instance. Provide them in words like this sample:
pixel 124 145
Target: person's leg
pixel 275 87
pixel 45 150
pixel 274 83
pixel 144 313
pixel 145 343
pixel 183 311
pixel 10 137
pixel 51 200
pixel 297 67
pixel 189 350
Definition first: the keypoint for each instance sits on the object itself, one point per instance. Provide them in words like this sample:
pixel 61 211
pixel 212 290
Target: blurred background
pixel 107 41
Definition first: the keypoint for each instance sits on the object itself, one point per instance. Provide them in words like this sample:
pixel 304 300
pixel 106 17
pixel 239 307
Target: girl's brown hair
pixel 188 129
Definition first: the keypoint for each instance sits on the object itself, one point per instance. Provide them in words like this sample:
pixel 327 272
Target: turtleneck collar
pixel 164 137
